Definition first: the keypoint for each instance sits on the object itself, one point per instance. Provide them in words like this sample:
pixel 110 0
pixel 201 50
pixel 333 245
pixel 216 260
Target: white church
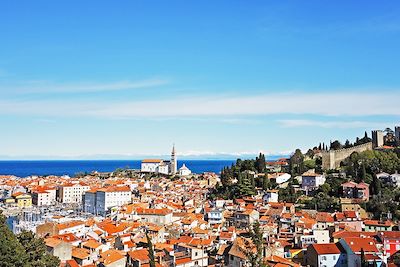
pixel 167 167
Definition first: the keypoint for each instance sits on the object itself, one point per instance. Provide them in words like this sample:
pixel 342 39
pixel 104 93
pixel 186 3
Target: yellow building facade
pixel 24 200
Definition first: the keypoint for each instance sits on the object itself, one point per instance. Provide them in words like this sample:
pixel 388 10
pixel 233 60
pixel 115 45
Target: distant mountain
pixel 188 156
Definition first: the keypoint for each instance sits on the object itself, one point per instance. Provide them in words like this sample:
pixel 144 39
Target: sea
pixel 24 168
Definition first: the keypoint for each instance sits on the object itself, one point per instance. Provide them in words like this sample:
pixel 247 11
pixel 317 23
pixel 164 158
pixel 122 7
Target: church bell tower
pixel 174 161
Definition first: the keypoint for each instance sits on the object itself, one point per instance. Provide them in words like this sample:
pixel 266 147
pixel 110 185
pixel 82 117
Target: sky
pixel 126 79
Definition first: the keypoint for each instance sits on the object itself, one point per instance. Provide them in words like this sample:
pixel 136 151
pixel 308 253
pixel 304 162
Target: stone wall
pixel 331 159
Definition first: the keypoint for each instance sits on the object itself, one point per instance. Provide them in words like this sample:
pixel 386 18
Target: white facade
pixel 42 198
pixel 283 178
pixel 111 197
pixel 321 236
pixel 75 228
pixel 156 216
pixel 150 165
pixel 312 181
pixel 215 216
pixel 184 171
pixel 271 196
pixel 327 260
pixel 72 193
pixel 160 166
pixel 52 195
pixel 164 168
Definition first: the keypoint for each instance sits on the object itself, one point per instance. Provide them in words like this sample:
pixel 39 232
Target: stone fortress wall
pixel 331 159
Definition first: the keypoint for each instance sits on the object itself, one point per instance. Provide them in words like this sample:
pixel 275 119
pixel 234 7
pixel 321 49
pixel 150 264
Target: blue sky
pixel 129 78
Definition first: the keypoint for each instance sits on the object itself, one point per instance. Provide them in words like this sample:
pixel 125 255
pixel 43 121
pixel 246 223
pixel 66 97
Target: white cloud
pixel 334 124
pixel 50 87
pixel 327 104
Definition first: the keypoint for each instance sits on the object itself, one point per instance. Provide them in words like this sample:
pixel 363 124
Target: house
pixel 215 216
pixel 156 216
pixel 354 247
pixel 112 258
pixel 355 190
pixel 237 253
pixel 243 219
pixel 325 255
pixel 309 237
pixel 280 177
pixel 310 180
pixel 139 258
pixel 376 225
pixel 59 248
pixel 100 201
pixel 72 192
pixel 187 255
pixel 93 246
pixel 23 200
pixel 74 227
pixel 184 171
pixel 271 196
pixel 390 241
pixel 81 256
pixel 42 197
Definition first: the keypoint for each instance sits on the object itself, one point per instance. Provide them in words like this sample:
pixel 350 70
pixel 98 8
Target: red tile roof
pixel 330 248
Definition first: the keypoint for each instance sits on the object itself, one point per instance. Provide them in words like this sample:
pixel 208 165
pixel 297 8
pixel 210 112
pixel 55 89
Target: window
pixel 324 258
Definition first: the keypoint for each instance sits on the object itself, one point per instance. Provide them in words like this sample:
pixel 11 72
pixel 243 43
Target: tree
pixel 260 163
pixel 245 184
pixel 375 186
pixel 265 182
pixel 151 251
pixel 35 251
pixel 347 144
pixel 335 145
pixel 11 251
pixel 296 163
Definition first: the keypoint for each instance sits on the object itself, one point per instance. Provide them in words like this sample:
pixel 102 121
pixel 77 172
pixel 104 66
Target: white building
pixel 184 171
pixel 72 227
pixel 271 196
pixel 311 181
pixel 161 166
pixel 215 216
pixel 109 197
pixel 72 192
pixel 156 216
pixel 42 198
pixel 324 255
pixel 282 178
pixel 100 201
